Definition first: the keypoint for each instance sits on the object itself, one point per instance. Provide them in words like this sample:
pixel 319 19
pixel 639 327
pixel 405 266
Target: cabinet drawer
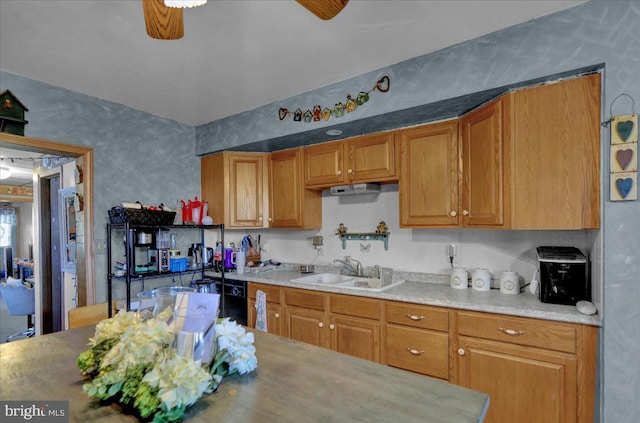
pixel 522 331
pixel 355 306
pixel 304 298
pixel 418 350
pixel 273 292
pixel 418 316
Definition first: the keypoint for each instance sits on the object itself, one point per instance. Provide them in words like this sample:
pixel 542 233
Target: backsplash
pixel 410 250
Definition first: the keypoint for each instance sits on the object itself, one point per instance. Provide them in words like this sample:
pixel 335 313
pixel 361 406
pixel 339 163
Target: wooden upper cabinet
pixel 486 141
pixel 290 204
pixel 429 175
pixel 323 164
pixel 557 155
pixel 235 186
pixel 369 158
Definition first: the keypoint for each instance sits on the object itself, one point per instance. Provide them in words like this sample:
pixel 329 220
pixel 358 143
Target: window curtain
pixel 8 216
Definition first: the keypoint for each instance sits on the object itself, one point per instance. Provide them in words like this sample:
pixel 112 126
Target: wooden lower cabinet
pixel 418 350
pixel 524 384
pixel 274 308
pixel 417 338
pixel 354 326
pixel 305 325
pixel 343 323
pixel 533 370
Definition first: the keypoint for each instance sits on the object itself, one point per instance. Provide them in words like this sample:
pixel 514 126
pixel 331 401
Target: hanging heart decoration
pixel 624 186
pixel 318 113
pixel 624 129
pixel 624 158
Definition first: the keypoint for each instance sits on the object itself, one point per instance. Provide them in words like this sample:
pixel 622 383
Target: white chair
pixel 21 301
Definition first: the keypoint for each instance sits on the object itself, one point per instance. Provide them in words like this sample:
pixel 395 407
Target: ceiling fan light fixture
pixel 5 172
pixel 184 3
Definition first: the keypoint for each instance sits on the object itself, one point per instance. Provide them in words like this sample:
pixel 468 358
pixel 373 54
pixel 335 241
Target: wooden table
pixel 294 382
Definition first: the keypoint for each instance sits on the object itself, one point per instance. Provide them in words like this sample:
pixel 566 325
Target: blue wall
pixel 137 156
pixel 596 32
pixel 140 156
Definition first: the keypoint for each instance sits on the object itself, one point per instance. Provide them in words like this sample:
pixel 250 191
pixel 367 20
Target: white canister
pixel 509 282
pixel 459 278
pixel 481 280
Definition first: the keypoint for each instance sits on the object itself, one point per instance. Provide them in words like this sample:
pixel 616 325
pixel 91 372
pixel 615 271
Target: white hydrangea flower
pixel 140 343
pixel 180 381
pixel 238 346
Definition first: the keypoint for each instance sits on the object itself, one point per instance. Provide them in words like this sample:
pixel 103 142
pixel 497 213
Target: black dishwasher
pixel 233 296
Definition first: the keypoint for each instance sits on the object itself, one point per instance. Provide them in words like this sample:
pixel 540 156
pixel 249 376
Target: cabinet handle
pixel 460 351
pixel 270 220
pixel 453 213
pixel 277 315
pixel 414 352
pixel 414 317
pixel 349 170
pixel 260 218
pixel 332 326
pixel 339 172
pixel 511 332
pixel 465 212
pixel 320 324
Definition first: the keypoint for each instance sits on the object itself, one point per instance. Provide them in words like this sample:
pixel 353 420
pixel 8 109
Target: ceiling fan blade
pixel 324 9
pixel 163 23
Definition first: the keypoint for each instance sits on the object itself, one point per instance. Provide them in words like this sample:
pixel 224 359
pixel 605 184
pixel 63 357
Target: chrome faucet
pixel 378 270
pixel 356 269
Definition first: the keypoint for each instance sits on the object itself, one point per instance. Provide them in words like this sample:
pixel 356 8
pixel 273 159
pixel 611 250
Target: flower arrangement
pixel 131 360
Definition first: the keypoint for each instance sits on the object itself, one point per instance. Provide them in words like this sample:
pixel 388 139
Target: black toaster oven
pixel 564 275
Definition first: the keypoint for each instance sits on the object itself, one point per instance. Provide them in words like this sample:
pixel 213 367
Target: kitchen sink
pixel 345 281
pixel 326 278
pixel 368 284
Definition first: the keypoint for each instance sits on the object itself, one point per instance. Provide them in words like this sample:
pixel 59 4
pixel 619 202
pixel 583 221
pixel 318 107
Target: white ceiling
pixel 235 55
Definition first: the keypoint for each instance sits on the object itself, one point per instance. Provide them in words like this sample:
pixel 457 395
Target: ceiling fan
pixel 165 23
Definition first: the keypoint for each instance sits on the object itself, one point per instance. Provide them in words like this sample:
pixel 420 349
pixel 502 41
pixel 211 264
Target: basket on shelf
pixel 141 216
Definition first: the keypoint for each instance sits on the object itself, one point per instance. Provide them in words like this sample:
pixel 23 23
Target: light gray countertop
pixel 439 294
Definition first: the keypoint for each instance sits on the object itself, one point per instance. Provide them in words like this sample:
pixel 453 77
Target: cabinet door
pixel 483 170
pixel 524 384
pixel 355 336
pixel 305 325
pixel 246 190
pixel 291 205
pixel 323 164
pixel 557 155
pixel 429 169
pixel 274 317
pixel 371 158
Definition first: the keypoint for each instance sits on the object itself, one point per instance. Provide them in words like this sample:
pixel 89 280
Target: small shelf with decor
pixel 381 234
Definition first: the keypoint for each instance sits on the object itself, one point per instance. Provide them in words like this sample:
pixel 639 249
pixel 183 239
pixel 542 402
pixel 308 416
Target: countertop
pixel 439 294
pixel 294 382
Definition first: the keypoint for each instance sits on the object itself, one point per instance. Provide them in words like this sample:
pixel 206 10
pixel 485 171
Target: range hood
pixel 356 189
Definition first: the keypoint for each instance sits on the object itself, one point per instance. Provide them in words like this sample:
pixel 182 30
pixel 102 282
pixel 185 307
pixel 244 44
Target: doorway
pixel 45 310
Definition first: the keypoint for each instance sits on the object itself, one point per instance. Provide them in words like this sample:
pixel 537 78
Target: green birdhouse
pixel 12 114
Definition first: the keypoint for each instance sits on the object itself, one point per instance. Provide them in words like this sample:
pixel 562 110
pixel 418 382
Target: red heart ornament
pixel 383 84
pixel 624 157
